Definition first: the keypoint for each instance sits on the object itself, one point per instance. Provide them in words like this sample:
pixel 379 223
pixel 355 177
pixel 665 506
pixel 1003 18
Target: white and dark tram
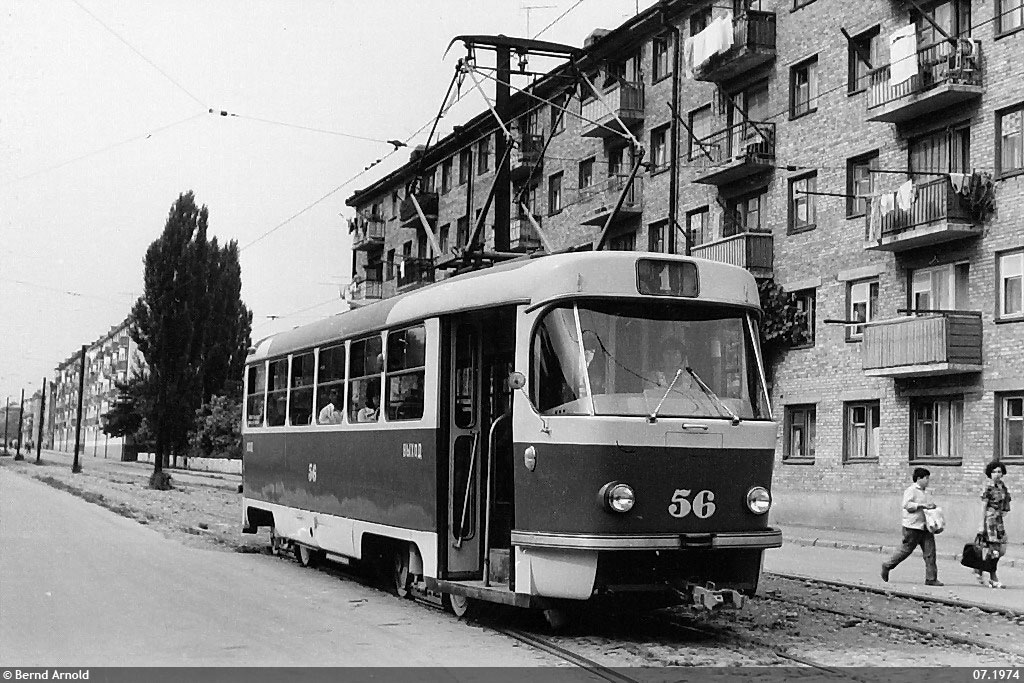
pixel 551 430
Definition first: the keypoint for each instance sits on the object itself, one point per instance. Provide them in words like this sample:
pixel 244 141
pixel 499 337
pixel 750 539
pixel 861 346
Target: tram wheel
pixel 308 557
pixel 459 605
pixel 400 567
pixel 277 544
pixel 560 619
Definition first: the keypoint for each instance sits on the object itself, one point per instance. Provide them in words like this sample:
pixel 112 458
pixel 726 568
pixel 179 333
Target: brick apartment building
pixel 111 358
pixel 786 153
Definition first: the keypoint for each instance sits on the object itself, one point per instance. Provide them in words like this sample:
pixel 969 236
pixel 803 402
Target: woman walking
pixel 997 503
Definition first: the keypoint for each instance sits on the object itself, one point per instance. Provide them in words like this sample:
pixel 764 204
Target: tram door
pixel 481 355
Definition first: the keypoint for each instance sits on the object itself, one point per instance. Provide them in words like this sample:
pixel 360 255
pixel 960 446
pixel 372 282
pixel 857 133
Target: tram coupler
pixel 709 597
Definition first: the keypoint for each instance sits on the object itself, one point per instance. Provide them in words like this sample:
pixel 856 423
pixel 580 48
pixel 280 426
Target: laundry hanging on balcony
pixel 713 40
pixel 905 196
pixel 903 54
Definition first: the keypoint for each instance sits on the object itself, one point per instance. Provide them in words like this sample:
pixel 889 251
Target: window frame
pixel 404 370
pixel 1001 258
pixel 659 147
pixel 587 165
pixel 870 306
pixel 483 155
pixel 657 236
pixel 693 149
pixel 324 386
pixel 1001 431
pixel 369 377
pixel 810 180
pixel 802 297
pixel 1000 13
pixel 808 422
pixel 935 422
pixel 858 208
pixel 555 182
pixel 811 66
pixel 706 230
pixel 661 65
pixel 856 83
pixel 872 408
pixel 1001 114
pixel 446 175
pixel 465 166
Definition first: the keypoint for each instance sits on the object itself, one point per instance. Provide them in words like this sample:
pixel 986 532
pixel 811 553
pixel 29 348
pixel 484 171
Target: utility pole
pixel 7 411
pixel 42 414
pixel 21 417
pixel 76 467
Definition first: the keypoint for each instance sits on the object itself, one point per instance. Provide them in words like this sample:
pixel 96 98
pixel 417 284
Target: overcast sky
pixel 104 121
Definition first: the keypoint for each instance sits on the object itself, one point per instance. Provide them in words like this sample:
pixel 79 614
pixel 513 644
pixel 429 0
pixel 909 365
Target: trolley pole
pixel 21 416
pixel 76 467
pixel 42 413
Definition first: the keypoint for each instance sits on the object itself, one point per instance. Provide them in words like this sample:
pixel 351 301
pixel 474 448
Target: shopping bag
pixel 934 521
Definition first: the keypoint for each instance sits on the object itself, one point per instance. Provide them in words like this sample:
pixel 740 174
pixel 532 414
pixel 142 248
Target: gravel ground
pixel 204 509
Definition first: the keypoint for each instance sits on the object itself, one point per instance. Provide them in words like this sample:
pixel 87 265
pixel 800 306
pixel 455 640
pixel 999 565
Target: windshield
pixel 627 358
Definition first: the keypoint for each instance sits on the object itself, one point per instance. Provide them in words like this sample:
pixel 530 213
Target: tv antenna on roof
pixel 529 8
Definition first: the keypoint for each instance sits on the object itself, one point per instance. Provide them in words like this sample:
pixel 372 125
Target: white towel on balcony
pixel 905 196
pixel 958 181
pixel 902 55
pixel 886 203
pixel 714 39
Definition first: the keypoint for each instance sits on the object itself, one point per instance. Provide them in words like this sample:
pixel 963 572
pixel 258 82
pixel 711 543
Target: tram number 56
pixel 702 506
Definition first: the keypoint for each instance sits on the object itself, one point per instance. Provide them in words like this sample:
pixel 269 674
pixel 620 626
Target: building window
pixel 428 180
pixel 1010 15
pixel 660 64
pixel 1010 139
pixel 442 238
pixel 698 226
pixel 940 288
pixel 623 242
pixel 586 173
pixel 952 17
pixel 617 159
pixel 462 232
pixel 1010 439
pixel 446 176
pixel 699 21
pixel 800 427
pixel 558 104
pixel 802 206
pixel 394 205
pixel 936 428
pixel 803 88
pixel 532 122
pixel 1011 284
pixel 860 434
pixel 806 303
pixel 658 237
pixel 700 129
pixel 860 183
pixel 465 165
pixel 483 156
pixel 389 265
pixel 862 306
pixel 744 213
pixel 554 194
pixel 659 149
pixel 864 55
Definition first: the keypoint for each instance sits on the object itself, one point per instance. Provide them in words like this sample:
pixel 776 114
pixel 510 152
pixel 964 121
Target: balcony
pixel 750 250
pixel 625 99
pixel 741 150
pixel 527 157
pixel 937 215
pixel 599 200
pixel 938 343
pixel 366 290
pixel 415 272
pixel 946 76
pixel 522 235
pixel 367 233
pixel 407 215
pixel 753 45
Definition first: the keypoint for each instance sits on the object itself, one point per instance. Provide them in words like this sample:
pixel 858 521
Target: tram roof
pixel 530 281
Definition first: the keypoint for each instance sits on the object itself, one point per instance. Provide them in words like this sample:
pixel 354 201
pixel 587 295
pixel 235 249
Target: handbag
pixel 934 521
pixel 973 555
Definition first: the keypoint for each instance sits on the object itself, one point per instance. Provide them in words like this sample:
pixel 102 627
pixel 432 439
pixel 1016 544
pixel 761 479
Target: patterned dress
pixel 997 503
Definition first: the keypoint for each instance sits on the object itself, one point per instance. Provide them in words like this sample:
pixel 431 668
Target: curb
pixel 885 549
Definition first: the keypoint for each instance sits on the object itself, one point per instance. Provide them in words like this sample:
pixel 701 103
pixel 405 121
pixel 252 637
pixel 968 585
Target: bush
pixel 218 429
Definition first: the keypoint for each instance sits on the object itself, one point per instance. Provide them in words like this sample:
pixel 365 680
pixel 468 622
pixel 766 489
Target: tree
pixel 190 325
pixel 125 416
pixel 218 429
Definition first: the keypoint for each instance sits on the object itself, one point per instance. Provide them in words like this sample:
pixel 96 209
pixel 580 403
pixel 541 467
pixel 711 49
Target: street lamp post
pixel 42 413
pixel 21 416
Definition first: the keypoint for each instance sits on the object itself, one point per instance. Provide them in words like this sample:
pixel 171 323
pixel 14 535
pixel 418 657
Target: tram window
pixel 465 376
pixel 364 370
pixel 300 407
pixel 277 392
pixel 330 376
pixel 406 360
pixel 256 395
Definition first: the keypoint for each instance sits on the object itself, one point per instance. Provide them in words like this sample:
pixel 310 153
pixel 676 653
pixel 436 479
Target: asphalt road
pixel 83 586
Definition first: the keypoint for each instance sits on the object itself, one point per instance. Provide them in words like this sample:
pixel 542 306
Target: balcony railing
pixel 527 155
pixel 625 99
pixel 739 151
pixel 937 215
pixel 753 45
pixel 934 343
pixel 523 236
pixel 367 233
pixel 366 290
pixel 751 250
pixel 607 193
pixel 946 76
pixel 407 211
pixel 415 272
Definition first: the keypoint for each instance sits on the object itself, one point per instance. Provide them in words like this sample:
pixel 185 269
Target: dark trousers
pixel 911 539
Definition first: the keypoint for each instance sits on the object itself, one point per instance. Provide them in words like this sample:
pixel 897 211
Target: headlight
pixel 759 500
pixel 618 497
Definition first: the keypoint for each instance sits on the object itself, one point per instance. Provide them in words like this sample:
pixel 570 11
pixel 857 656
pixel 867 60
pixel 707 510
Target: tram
pixel 549 431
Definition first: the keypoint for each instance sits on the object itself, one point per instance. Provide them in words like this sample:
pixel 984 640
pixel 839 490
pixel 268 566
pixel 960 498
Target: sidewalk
pixel 855 558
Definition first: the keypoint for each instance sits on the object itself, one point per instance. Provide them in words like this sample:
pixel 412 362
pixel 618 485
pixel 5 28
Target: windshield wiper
pixel 653 417
pixel 707 390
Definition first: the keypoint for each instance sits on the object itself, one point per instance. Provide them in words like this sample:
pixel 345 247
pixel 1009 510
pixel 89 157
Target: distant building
pixel 111 358
pixel 784 157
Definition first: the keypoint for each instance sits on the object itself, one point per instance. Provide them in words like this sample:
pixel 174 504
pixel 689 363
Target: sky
pixel 104 121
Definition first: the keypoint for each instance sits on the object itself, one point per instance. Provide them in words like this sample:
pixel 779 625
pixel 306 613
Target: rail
pixel 925 338
pixel 936 65
pixel 745 249
pixel 415 271
pixel 623 96
pixel 936 200
pixel 746 140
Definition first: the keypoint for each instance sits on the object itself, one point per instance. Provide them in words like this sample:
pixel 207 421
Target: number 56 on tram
pixel 548 431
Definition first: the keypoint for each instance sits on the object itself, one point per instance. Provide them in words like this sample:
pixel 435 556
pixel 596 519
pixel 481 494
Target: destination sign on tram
pixel 666 278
